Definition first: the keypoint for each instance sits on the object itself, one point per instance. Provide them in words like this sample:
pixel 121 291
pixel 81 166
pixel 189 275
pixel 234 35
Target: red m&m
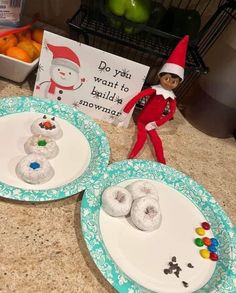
pixel 206 226
pixel 214 256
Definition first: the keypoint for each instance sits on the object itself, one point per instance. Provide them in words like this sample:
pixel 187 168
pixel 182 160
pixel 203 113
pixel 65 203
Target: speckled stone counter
pixel 41 245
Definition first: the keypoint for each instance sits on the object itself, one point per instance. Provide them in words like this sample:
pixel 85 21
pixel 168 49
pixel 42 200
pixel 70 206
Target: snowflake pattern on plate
pixel 224 277
pixel 99 146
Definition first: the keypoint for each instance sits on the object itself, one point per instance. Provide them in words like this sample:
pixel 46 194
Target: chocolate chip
pixel 185 284
pixel 189 265
pixel 177 274
pixel 175 266
pixel 174 259
pixel 166 271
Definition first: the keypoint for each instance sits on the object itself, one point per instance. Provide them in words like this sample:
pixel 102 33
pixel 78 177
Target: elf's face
pixel 64 76
pixel 168 82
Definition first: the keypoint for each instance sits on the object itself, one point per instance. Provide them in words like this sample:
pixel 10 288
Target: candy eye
pixel 53 118
pixel 44 117
pixel 69 73
pixel 58 69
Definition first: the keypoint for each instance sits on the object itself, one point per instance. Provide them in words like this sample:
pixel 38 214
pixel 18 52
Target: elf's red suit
pixel 152 112
pixel 152 115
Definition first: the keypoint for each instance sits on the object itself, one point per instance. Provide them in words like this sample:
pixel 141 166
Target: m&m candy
pixel 212 248
pixel 198 242
pixel 204 253
pixel 200 231
pixel 206 226
pixel 214 242
pixel 214 256
pixel 206 241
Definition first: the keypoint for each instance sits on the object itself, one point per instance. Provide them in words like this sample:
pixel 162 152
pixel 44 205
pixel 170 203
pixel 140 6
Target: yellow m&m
pixel 204 253
pixel 200 231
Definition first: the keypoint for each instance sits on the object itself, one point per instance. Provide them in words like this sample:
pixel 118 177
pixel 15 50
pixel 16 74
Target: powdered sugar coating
pixel 39 175
pixel 49 150
pixel 142 188
pixel 146 213
pixel 54 131
pixel 116 201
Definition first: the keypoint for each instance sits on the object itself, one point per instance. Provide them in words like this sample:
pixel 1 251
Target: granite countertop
pixel 42 248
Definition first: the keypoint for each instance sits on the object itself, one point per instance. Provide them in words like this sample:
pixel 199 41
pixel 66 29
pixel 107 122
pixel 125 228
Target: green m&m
pixel 199 242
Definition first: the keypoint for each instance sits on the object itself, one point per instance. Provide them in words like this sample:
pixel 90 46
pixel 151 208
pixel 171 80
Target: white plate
pixel 83 149
pixel 133 260
pixel 143 256
pixel 73 158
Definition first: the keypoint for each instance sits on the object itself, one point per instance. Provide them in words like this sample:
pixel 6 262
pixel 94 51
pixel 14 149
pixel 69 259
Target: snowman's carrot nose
pixel 47 125
pixel 62 73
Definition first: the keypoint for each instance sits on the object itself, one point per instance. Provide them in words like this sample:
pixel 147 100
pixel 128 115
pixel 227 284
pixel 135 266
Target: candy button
pixel 204 253
pixel 47 124
pixel 200 231
pixel 214 256
pixel 206 241
pixel 212 248
pixel 206 226
pixel 214 242
pixel 34 165
pixel 42 142
pixel 198 242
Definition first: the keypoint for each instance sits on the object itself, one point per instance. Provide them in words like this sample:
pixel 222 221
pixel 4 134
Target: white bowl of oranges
pixel 19 54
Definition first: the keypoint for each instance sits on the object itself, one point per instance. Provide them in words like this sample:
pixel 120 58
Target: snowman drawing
pixel 64 76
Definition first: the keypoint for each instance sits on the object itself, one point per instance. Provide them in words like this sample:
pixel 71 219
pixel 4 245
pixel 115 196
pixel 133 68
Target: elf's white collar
pixel 165 93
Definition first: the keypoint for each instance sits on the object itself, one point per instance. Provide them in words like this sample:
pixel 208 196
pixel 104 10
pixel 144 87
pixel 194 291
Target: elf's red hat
pixel 62 55
pixel 176 62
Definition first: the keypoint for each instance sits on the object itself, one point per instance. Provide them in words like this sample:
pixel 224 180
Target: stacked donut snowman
pixel 35 168
pixel 139 199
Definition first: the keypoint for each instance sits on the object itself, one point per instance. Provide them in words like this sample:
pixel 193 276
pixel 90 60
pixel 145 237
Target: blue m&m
pixel 214 242
pixel 34 165
pixel 212 248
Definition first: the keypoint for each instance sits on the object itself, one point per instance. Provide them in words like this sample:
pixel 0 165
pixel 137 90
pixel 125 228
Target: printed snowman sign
pixel 64 73
pixel 91 80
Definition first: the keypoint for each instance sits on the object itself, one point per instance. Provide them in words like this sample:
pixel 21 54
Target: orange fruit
pixel 37 35
pixel 37 45
pixel 19 54
pixel 29 48
pixel 7 42
pixel 25 35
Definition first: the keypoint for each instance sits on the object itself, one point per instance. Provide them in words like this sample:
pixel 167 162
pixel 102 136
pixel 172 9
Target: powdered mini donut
pixel 142 188
pixel 116 201
pixel 146 214
pixel 47 126
pixel 34 169
pixel 41 144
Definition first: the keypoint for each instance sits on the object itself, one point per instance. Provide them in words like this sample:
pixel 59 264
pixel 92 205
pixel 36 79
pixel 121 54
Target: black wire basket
pixel 151 43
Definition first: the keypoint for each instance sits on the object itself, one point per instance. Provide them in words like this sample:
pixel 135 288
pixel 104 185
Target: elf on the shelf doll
pixel 152 115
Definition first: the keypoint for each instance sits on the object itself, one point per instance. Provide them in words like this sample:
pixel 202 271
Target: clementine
pixel 37 45
pixel 25 35
pixel 29 48
pixel 18 53
pixel 7 42
pixel 37 35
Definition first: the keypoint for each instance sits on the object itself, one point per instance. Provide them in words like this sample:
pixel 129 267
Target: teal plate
pixel 223 279
pixel 96 139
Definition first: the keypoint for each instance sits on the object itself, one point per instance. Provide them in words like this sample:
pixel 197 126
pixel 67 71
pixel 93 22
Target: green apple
pixel 133 10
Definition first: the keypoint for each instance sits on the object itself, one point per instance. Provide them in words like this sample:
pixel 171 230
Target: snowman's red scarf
pixel 53 85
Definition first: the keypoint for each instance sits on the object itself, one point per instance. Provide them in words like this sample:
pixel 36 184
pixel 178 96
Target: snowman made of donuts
pixel 139 199
pixel 35 168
